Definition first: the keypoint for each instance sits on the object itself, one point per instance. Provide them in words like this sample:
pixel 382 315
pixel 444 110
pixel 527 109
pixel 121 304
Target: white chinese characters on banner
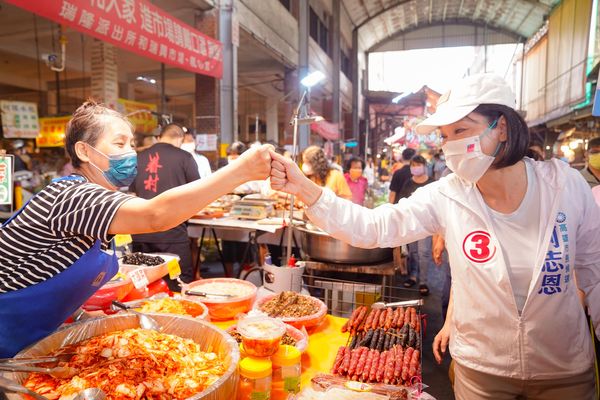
pixel 139 26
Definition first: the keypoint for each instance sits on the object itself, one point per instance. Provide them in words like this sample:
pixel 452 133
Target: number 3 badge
pixel 478 247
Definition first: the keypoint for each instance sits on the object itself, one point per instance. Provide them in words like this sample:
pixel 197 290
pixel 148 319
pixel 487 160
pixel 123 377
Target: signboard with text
pixel 6 179
pixel 137 26
pixel 139 114
pixel 206 142
pixel 19 119
pixel 52 131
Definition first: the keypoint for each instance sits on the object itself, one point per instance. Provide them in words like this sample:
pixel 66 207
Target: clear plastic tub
pixel 223 308
pixel 299 335
pixel 261 336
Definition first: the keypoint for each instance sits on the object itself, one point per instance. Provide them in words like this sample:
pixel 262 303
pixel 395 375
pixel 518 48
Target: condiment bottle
pixel 255 379
pixel 287 369
pixel 292 261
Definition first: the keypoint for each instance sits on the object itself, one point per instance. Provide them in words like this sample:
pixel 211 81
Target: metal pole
pixel 256 129
pixel 162 88
pixel 294 122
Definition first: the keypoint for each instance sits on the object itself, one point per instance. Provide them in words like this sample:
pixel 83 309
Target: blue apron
pixel 30 314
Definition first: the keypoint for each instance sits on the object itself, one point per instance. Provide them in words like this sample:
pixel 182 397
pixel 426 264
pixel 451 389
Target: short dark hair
pixel 408 154
pixel 353 160
pixel 418 160
pixel 87 125
pixel 172 130
pixel 236 148
pixel 594 142
pixel 517 142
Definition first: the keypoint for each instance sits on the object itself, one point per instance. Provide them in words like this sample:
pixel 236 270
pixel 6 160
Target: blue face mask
pixel 122 168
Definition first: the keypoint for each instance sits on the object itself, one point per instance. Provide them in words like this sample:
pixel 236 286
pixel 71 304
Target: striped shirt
pixel 58 226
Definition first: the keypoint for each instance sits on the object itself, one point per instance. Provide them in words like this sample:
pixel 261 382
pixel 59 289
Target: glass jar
pixel 255 379
pixel 287 369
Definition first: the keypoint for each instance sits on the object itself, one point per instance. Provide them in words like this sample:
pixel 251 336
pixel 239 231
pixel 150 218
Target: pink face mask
pixel 418 170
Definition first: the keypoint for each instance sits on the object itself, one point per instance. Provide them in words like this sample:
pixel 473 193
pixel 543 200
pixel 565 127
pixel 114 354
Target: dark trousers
pixel 182 249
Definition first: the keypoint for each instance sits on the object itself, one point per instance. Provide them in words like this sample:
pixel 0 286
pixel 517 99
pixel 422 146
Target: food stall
pixel 215 324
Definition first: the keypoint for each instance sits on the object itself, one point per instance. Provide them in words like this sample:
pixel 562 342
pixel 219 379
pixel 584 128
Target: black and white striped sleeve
pixel 85 209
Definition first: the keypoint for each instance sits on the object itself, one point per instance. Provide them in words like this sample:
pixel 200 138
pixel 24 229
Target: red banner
pixel 328 130
pixel 136 26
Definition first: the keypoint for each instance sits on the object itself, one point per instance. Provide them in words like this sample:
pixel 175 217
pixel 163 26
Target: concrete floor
pixel 435 376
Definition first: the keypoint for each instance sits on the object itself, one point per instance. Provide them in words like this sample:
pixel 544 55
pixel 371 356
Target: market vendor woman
pixel 53 251
pixel 517 231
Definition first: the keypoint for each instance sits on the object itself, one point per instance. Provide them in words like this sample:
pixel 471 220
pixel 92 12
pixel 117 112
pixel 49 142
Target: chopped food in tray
pixel 134 363
pixel 142 259
pixel 168 305
pixel 290 304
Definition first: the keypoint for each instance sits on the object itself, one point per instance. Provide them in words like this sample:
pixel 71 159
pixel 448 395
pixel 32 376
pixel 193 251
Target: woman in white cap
pixel 516 232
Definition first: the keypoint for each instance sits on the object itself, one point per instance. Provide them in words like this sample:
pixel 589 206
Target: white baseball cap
pixel 462 99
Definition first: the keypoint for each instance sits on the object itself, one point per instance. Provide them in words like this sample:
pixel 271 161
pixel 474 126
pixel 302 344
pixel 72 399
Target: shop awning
pixel 137 26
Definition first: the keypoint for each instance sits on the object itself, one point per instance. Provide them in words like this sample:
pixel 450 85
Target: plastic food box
pixel 300 335
pixel 308 322
pixel 152 273
pixel 222 308
pixel 261 336
pixel 115 289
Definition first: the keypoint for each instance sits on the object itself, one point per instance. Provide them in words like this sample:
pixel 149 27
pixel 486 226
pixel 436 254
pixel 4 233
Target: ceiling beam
pixel 453 21
pixel 381 12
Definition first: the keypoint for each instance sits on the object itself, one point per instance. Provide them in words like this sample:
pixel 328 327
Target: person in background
pixel 440 258
pixel 382 171
pixel 333 164
pixel 235 150
pixel 369 171
pixel 357 183
pixel 316 167
pixel 20 157
pixel 401 176
pixel 162 167
pixel 591 172
pixel 536 147
pixel 419 251
pixel 439 165
pixel 398 161
pixel 189 145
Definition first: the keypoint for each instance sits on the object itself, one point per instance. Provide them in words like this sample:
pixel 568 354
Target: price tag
pixel 139 278
pixel 174 268
pixel 122 240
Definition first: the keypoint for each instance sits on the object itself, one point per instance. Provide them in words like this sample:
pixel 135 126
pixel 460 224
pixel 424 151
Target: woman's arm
pixel 386 226
pixel 177 205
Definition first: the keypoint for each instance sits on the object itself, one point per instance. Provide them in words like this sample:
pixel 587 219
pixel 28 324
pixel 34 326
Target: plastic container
pixel 308 322
pixel 115 289
pixel 261 336
pixel 255 379
pixel 160 286
pixel 300 335
pixel 153 273
pixel 223 308
pixel 287 368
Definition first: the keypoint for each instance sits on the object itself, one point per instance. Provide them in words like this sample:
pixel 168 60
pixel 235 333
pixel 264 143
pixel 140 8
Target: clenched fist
pixel 287 177
pixel 255 164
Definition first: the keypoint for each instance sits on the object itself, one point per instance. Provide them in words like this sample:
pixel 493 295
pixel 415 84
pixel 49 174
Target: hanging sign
pixel 6 179
pixel 52 131
pixel 19 119
pixel 137 26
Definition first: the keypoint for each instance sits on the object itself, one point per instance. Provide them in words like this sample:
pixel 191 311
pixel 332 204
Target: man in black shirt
pixel 161 167
pixel 401 176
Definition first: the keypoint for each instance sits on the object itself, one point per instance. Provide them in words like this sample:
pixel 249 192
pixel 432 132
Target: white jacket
pixel 551 338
